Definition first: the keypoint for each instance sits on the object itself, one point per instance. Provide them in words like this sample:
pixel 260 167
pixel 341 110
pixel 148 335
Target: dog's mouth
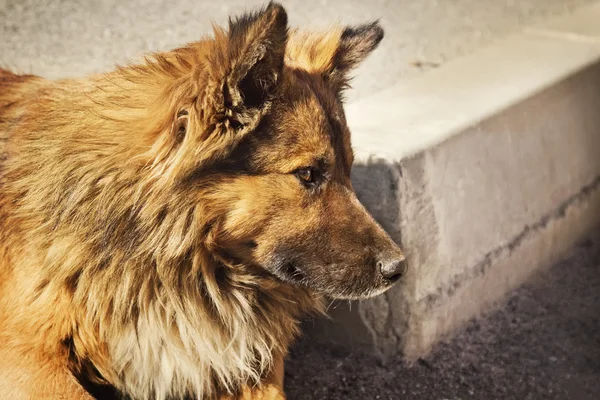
pixel 290 272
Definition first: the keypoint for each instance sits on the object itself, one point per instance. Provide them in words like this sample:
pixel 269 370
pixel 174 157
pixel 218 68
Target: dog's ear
pixel 355 44
pixel 334 53
pixel 250 62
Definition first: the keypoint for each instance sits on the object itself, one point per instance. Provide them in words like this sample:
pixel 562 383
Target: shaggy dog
pixel 164 226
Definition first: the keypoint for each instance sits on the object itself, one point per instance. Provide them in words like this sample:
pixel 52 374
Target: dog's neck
pixel 171 327
pixel 186 337
pixel 190 339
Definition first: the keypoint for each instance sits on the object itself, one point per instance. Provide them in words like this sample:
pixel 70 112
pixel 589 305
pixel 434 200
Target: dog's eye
pixel 307 175
pixel 181 125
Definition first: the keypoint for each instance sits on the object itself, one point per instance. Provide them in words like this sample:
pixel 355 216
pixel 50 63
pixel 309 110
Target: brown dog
pixel 164 226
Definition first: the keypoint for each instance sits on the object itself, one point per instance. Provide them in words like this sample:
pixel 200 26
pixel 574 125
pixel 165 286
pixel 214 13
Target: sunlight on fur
pixel 154 235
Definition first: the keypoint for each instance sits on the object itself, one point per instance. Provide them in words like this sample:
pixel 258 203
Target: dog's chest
pixel 160 360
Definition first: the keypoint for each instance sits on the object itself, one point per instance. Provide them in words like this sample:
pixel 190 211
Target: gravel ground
pixel 57 38
pixel 543 342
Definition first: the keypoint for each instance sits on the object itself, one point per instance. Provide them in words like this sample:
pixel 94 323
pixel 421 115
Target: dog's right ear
pixel 247 64
pixel 333 53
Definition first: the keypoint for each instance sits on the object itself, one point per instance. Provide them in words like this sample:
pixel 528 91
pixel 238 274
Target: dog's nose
pixel 394 269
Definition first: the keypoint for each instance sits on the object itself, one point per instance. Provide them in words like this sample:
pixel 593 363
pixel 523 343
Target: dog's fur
pixel 158 232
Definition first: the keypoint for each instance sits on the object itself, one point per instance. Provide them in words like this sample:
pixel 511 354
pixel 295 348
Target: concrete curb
pixel 486 170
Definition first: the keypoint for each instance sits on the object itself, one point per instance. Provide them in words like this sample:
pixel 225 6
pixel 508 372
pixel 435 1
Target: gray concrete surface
pixel 57 38
pixel 542 343
pixel 485 170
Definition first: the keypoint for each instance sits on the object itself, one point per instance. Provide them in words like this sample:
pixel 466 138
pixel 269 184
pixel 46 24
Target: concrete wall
pixel 485 171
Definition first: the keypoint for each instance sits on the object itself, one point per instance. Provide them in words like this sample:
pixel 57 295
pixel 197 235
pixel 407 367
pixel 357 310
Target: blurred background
pixel 476 125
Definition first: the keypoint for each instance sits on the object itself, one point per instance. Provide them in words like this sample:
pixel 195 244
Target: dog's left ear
pixel 355 44
pixel 251 63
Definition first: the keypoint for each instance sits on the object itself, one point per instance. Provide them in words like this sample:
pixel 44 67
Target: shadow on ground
pixel 543 342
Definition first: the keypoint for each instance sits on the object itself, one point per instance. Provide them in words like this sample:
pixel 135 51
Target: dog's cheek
pixel 248 227
pixel 286 245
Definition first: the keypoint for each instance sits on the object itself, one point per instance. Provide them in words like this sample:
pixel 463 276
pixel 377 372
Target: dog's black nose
pixel 392 270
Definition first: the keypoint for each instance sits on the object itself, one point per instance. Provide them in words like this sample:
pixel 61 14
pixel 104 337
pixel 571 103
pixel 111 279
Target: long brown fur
pixel 133 242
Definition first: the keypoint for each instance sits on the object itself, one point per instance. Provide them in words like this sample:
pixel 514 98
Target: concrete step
pixel 485 170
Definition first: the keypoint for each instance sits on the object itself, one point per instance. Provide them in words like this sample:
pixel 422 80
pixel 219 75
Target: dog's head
pixel 266 147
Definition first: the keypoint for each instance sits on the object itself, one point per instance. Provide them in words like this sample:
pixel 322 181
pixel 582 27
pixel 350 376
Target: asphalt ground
pixel 542 342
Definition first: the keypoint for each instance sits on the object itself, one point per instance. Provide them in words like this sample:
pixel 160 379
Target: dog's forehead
pixel 313 118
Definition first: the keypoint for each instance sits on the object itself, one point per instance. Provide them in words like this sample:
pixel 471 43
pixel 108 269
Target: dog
pixel 164 226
